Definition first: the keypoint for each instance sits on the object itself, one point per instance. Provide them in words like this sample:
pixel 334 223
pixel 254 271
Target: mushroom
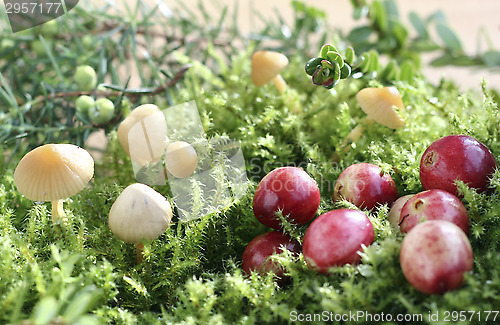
pixel 53 172
pixel 139 213
pixel 143 133
pixel 266 66
pixel 381 105
pixel 181 159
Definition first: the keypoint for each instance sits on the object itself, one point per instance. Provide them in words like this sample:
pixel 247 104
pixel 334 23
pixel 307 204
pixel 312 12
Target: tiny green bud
pixel 102 112
pixel 85 77
pixel 84 104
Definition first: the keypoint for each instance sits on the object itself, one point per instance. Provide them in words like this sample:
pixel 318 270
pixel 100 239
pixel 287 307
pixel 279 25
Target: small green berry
pixel 88 41
pixel 84 103
pixel 6 44
pixel 37 46
pixel 85 77
pixel 102 112
pixel 50 28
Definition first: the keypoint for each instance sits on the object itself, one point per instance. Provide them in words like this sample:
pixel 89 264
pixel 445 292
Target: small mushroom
pixel 139 213
pixel 381 105
pixel 54 172
pixel 267 66
pixel 143 133
pixel 181 159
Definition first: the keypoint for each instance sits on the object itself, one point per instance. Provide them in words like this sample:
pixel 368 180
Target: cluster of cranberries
pixel 434 254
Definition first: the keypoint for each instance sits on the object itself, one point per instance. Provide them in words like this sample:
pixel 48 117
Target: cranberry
pixel 335 238
pixel 435 255
pixel 365 186
pixel 395 212
pixel 287 189
pixel 456 157
pixel 257 252
pixel 433 205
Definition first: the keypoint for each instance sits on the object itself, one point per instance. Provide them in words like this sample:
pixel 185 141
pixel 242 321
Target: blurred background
pixel 476 23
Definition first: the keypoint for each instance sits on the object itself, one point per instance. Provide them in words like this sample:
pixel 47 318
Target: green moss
pixel 191 274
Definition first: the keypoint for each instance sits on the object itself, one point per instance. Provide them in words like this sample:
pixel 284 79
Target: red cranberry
pixel 290 190
pixel 365 186
pixel 433 205
pixel 395 212
pixel 456 157
pixel 335 239
pixel 435 255
pixel 257 252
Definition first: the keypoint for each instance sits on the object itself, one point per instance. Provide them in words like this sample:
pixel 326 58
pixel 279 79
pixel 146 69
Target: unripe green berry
pixel 6 44
pixel 102 112
pixel 50 28
pixel 88 41
pixel 85 77
pixel 39 49
pixel 84 103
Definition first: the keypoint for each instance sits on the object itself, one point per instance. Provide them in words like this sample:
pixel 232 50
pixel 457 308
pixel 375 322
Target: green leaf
pixel 378 14
pixel 390 71
pixel 325 49
pixel 349 55
pixel 407 71
pixel 399 32
pixel 360 34
pixel 312 64
pixel 449 38
pixel 45 311
pixel 335 57
pixel 424 45
pixel 345 71
pixel 491 58
pixel 419 25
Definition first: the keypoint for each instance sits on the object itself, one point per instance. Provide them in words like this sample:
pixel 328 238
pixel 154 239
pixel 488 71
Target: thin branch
pixel 131 93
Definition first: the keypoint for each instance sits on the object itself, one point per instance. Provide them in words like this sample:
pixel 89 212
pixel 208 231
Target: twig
pixel 132 93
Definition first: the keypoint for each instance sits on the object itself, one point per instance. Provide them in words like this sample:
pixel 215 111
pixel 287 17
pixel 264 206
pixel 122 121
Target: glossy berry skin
pixel 395 211
pixel 433 205
pixel 290 190
pixel 365 186
pixel 257 252
pixel 435 255
pixel 456 157
pixel 102 111
pixel 335 238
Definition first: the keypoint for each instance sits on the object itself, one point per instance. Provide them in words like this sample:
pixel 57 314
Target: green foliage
pixel 191 274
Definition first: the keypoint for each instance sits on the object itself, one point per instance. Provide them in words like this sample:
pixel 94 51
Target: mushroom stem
pixel 139 250
pixel 58 214
pixel 355 133
pixel 280 83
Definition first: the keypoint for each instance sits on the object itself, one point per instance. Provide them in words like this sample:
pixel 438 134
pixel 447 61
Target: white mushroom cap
pixel 382 105
pixel 143 133
pixel 181 159
pixel 139 213
pixel 266 65
pixel 53 172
